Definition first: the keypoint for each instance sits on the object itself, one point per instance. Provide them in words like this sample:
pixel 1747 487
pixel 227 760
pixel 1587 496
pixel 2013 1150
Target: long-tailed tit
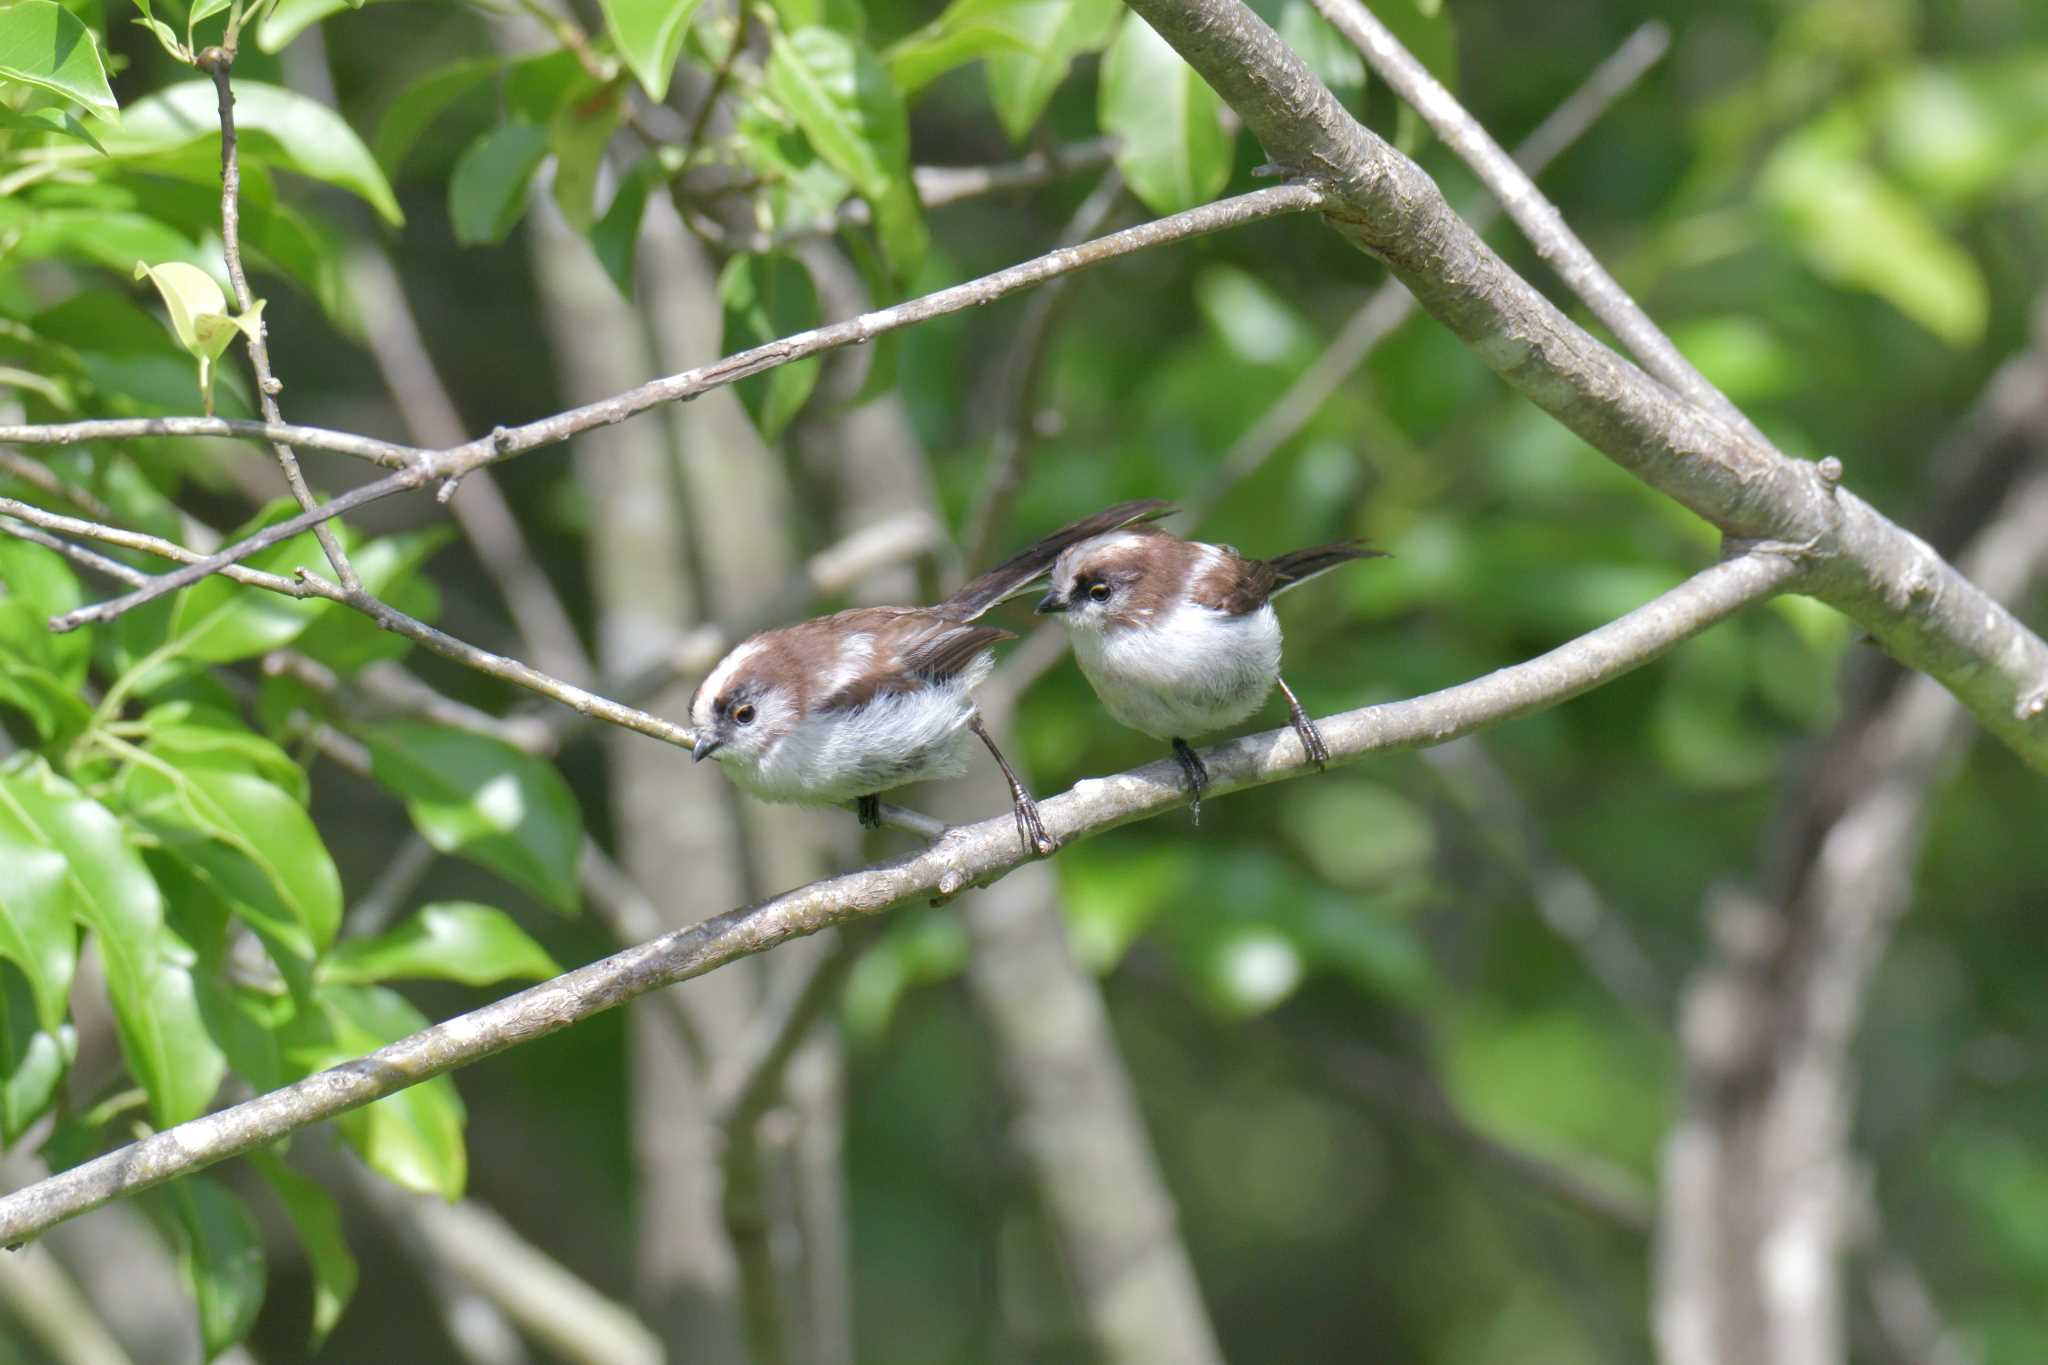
pixel 1178 638
pixel 846 706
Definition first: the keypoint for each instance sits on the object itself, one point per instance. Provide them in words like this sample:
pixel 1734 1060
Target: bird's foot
pixel 869 811
pixel 1197 774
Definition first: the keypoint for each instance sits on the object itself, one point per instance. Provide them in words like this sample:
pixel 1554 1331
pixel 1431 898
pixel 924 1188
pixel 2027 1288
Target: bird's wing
pixel 1028 565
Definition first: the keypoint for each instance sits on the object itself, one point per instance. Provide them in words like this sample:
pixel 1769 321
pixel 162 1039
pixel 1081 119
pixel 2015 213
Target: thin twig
pixel 722 76
pixel 445 466
pixel 970 855
pixel 91 559
pixel 388 454
pixel 216 62
pixel 1391 304
pixel 38 475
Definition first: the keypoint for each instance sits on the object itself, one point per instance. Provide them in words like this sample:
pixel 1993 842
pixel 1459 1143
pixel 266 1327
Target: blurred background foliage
pixel 1840 211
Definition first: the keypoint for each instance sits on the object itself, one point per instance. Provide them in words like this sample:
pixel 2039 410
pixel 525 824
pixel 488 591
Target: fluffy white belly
pixel 1192 672
pixel 834 757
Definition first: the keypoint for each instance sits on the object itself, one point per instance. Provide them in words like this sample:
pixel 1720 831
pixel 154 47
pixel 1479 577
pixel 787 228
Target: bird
pixel 843 707
pixel 1178 637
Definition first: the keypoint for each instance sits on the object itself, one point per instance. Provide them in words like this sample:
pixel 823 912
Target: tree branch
pixel 447 466
pixel 969 855
pixel 1919 607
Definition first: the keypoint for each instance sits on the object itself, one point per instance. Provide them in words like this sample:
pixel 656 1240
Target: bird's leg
pixel 1029 827
pixel 869 810
pixel 1311 738
pixel 1197 775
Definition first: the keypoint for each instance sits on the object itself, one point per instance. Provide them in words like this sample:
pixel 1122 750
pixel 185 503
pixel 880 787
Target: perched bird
pixel 1178 638
pixel 846 706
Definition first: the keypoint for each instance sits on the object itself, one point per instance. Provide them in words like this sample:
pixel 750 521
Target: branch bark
pixel 1918 606
pixel 968 855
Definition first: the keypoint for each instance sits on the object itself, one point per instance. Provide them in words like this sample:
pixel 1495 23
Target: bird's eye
pixel 1098 592
pixel 743 714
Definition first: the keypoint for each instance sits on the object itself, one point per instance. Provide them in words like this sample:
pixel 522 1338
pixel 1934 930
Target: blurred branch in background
pixel 1761 1195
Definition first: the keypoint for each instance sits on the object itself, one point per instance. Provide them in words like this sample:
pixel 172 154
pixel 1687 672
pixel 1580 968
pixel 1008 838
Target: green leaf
pixel 199 316
pixel 413 1138
pixel 420 103
pixel 36 584
pixel 33 1059
pixel 840 94
pixel 578 135
pixel 113 896
pixel 1855 228
pixel 200 737
pixel 1021 84
pixel 287 19
pixel 214 1237
pixel 649 34
pixel 36 933
pixel 165 34
pixel 482 799
pixel 273 126
pixel 616 236
pixel 219 621
pixel 317 1220
pixel 967 31
pixel 62 122
pixel 255 844
pixel 45 45
pixel 447 941
pixel 766 297
pixel 487 194
pixel 1173 150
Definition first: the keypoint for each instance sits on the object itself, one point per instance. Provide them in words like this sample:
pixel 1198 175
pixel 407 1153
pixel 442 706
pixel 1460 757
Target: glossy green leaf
pixel 36 932
pixel 447 941
pixel 254 842
pixel 274 127
pixel 166 36
pixel 112 894
pixel 425 100
pixel 198 737
pixel 219 1251
pixel 414 1137
pixel 45 45
pixel 840 94
pixel 202 10
pixel 33 1058
pixel 480 798
pixel 61 122
pixel 317 1220
pixel 36 584
pixel 765 297
pixel 1021 84
pixel 487 193
pixel 113 238
pixel 649 35
pixel 1173 150
pixel 966 31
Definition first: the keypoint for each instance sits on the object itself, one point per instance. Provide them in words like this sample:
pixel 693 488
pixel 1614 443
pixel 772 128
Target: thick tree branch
pixel 969 855
pixel 1918 606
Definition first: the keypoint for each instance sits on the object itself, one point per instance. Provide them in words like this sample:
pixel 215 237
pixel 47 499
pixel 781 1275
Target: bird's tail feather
pixel 1031 563
pixel 1296 567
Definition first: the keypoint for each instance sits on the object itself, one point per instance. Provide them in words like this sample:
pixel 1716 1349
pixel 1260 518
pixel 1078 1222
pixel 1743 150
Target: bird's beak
pixel 706 746
pixel 1049 604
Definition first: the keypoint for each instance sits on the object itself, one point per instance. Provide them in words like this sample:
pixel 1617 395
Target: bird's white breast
pixel 896 739
pixel 1185 671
